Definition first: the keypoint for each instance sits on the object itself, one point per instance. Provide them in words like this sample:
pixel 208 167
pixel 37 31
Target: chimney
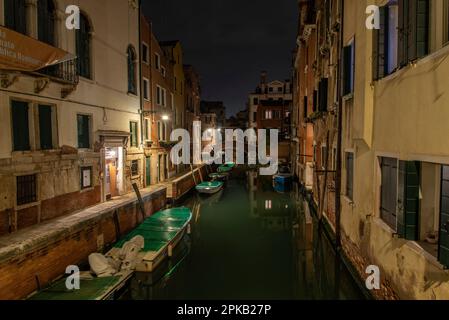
pixel 263 77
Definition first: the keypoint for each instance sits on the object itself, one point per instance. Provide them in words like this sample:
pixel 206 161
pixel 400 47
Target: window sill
pixel 28 205
pixel 348 97
pixel 87 80
pixel 131 94
pixel 86 189
pixel 413 245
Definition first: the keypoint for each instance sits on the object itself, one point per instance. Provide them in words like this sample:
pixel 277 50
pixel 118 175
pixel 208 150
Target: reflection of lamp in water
pixel 267 204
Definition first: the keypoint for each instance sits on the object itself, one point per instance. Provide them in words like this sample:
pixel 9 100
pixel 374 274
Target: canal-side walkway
pixel 32 257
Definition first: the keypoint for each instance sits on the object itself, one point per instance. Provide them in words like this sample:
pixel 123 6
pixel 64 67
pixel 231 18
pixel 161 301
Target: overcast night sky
pixel 229 41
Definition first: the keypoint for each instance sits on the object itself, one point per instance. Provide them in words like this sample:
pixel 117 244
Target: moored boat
pixel 161 232
pixel 227 167
pixel 209 187
pixel 219 176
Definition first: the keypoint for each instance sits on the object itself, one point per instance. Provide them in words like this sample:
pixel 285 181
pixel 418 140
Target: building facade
pixel 70 132
pixel 216 107
pixel 385 86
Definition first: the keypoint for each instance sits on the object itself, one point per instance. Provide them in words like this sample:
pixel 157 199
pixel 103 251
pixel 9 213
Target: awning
pixel 22 53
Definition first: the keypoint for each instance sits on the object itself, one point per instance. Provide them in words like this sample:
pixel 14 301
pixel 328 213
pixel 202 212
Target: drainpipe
pixel 339 134
pixel 142 120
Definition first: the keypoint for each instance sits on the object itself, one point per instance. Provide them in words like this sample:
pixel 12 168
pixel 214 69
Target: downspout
pixel 339 134
pixel 142 119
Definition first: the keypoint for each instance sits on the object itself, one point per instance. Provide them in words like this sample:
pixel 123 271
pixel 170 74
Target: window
pixel 26 189
pixel 277 114
pixel 131 58
pixel 400 193
pixel 83 47
pixel 134 168
pixel 161 96
pixel 323 157
pixel 305 106
pixel 315 101
pixel 20 126
pixel 386 42
pixel 175 83
pixel 413 23
pixel 46 15
pixel 147 130
pixel 348 68
pixel 45 127
pixel 84 129
pixel 268 114
pixel 145 53
pixel 157 61
pixel 270 89
pixel 254 116
pixel 323 87
pixel 255 101
pixel 16 17
pixel 146 89
pixel 446 23
pixel 163 71
pixel 349 175
pixel 133 131
pixel 443 252
pixel 280 89
pixel 86 177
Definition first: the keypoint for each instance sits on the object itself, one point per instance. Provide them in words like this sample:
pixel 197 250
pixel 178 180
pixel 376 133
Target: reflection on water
pixel 249 242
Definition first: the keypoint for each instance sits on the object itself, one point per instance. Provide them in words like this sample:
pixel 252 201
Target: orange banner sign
pixel 23 53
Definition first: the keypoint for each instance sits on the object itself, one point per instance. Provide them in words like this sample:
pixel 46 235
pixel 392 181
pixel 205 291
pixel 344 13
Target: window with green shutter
pixel 443 245
pixel 83 47
pixel 84 123
pixel 413 30
pixel 408 199
pixel 16 17
pixel 133 131
pixel 45 127
pixel 20 126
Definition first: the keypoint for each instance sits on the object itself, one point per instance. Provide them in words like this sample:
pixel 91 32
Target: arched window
pixel 131 58
pixel 46 14
pixel 15 18
pixel 84 47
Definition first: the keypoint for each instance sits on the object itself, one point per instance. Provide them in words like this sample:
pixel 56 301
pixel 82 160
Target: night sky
pixel 229 42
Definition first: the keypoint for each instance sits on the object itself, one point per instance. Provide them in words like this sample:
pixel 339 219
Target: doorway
pixel 113 172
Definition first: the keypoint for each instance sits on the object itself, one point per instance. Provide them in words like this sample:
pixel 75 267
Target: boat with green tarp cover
pixel 161 232
pixel 209 187
pixel 219 176
pixel 91 288
pixel 227 167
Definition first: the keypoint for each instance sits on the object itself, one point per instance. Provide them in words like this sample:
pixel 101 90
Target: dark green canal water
pixel 248 242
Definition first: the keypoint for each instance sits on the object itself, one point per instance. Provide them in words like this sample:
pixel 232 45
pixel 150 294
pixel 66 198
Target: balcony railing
pixel 65 72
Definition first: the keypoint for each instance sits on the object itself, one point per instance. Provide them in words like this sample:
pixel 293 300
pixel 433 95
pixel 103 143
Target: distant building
pixel 240 120
pixel 192 97
pixel 270 107
pixel 216 107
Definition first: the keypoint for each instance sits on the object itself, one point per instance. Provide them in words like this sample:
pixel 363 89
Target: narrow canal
pixel 248 242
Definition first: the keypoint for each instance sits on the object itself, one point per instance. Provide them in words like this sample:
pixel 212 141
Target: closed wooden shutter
pixel 413 30
pixel 315 100
pixel 380 45
pixel 45 127
pixel 305 106
pixel 408 199
pixel 20 126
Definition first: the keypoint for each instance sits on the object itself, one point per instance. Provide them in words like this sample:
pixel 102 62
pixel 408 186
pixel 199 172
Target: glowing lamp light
pixel 165 118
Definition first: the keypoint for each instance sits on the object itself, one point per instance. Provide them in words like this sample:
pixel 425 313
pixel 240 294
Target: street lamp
pixel 165 118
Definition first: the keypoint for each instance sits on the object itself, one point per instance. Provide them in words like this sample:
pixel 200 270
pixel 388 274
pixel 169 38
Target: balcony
pixel 65 72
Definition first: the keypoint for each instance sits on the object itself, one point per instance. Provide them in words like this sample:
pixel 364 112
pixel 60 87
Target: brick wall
pixel 20 273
